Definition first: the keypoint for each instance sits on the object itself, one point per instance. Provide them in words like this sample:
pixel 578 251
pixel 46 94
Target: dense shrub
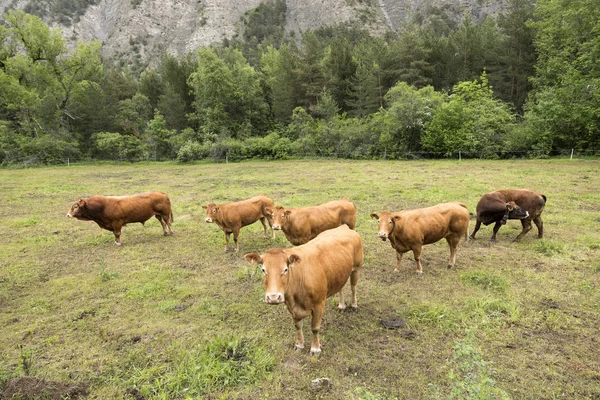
pixel 115 146
pixel 192 150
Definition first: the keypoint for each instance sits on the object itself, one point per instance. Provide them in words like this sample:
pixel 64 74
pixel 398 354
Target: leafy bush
pixel 48 149
pixel 191 151
pixel 114 146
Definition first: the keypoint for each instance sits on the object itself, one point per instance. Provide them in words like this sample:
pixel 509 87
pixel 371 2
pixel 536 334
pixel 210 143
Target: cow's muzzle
pixel 382 235
pixel 69 215
pixel 277 227
pixel 274 298
pixel 208 220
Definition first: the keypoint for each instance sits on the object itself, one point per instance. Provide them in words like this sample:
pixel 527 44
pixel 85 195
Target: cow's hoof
pixel 298 347
pixel 165 234
pixel 354 307
pixel 396 270
pixel 341 307
pixel 450 266
pixel 471 237
pixel 315 351
pixel 117 243
pixel 493 241
pixel 419 272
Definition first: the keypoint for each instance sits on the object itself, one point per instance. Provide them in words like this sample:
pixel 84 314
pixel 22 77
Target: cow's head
pixel 278 216
pixel 387 224
pixel 77 210
pixel 515 212
pixel 276 268
pixel 211 212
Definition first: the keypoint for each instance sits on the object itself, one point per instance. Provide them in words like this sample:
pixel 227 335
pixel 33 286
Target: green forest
pixel 522 84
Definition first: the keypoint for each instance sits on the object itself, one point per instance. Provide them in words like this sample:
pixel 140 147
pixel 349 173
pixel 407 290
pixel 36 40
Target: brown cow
pixel 305 276
pixel 303 224
pixel 502 205
pixel 411 229
pixel 231 217
pixel 111 212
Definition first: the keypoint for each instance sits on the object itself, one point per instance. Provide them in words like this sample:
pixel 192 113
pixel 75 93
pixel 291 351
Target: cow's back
pixel 495 202
pixel 306 223
pixel 329 259
pixel 245 212
pixel 431 224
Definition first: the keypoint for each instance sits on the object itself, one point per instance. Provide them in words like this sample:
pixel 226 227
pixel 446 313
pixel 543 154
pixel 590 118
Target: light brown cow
pixel 502 205
pixel 111 212
pixel 231 217
pixel 411 229
pixel 305 276
pixel 303 224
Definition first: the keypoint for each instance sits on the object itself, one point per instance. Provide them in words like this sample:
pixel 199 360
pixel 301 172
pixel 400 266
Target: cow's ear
pixel 288 212
pixel 293 259
pixel 395 218
pixel 81 202
pixel 509 207
pixel 374 216
pixel 216 209
pixel 269 211
pixel 253 258
pixel 205 207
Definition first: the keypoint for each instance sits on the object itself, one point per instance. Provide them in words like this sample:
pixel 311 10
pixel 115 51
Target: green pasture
pixel 176 317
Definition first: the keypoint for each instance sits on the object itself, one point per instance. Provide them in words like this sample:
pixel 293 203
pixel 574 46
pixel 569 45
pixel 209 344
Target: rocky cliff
pixel 141 29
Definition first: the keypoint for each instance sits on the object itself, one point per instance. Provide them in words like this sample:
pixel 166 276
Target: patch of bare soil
pixel 30 388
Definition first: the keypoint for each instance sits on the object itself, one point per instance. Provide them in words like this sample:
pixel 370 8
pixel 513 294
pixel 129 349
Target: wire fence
pixel 225 157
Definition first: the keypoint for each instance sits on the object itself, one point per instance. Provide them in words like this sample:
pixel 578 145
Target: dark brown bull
pixel 502 205
pixel 111 212
pixel 231 217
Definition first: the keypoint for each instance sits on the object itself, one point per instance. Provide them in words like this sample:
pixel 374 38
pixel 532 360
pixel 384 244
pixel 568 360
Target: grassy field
pixel 176 317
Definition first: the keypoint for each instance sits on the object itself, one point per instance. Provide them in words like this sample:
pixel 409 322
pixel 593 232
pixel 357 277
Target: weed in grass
pixel 485 280
pixel 548 247
pixel 25 360
pixel 105 275
pixel 485 310
pixel 29 221
pixel 470 375
pixel 362 393
pixel 224 362
pixel 437 315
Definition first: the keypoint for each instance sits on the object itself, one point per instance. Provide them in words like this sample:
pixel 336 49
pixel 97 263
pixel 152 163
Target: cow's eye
pixel 390 222
pixel 285 270
pixel 264 270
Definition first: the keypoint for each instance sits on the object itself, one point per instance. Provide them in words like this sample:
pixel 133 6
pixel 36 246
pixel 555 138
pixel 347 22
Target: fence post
pixel 571 154
pixel 68 162
pixel 227 158
pixel 459 156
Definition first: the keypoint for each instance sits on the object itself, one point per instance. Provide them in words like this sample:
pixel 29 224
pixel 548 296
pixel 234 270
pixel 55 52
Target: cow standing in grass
pixel 502 205
pixel 231 217
pixel 303 224
pixel 411 229
pixel 112 213
pixel 305 276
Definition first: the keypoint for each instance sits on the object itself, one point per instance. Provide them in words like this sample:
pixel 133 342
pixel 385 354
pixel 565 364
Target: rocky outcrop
pixel 141 29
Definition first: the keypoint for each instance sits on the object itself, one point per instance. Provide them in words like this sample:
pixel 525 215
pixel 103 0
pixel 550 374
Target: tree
pixel 280 73
pixel 472 121
pixel 565 104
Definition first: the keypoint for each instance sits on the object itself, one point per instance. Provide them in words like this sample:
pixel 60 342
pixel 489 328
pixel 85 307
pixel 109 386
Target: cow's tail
pixel 171 216
pixel 544 197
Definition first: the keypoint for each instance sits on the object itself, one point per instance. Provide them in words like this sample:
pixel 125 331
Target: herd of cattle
pixel 328 250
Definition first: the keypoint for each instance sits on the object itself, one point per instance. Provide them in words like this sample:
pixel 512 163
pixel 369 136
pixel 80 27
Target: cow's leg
pixel 477 226
pixel 540 225
pixel 169 220
pixel 227 235
pixel 315 324
pixel 117 232
pixel 162 222
pixel 398 261
pixel 299 335
pixel 236 234
pixel 453 242
pixel 342 303
pixel 353 281
pixel 263 220
pixel 496 228
pixel 417 253
pixel 526 228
